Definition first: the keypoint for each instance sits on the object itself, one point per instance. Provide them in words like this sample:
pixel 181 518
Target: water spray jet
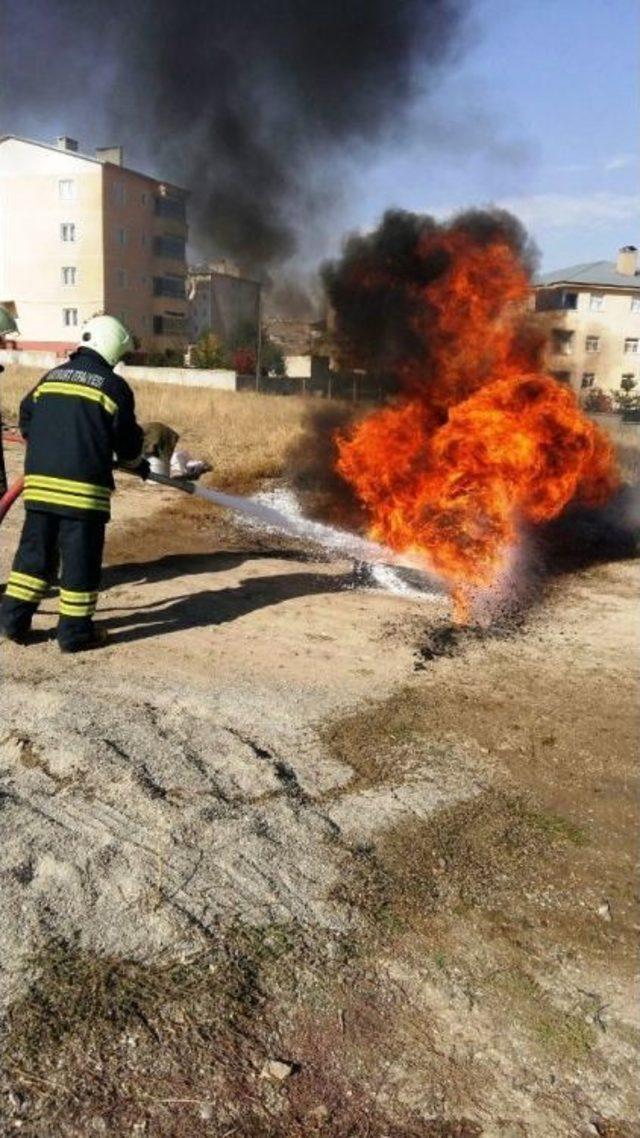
pixel 361 551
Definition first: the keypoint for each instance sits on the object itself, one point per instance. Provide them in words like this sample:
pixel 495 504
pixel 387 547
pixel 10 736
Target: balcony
pixel 556 300
pixel 174 208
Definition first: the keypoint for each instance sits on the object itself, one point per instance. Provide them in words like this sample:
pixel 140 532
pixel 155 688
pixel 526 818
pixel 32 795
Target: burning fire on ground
pixel 478 442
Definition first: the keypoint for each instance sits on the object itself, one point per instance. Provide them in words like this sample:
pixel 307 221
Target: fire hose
pixel 348 545
pixel 227 501
pixel 14 491
pixel 8 498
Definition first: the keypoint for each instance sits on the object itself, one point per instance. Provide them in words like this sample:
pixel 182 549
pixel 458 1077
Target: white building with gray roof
pixel 594 316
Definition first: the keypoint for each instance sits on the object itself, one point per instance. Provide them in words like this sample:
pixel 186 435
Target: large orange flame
pixel 482 440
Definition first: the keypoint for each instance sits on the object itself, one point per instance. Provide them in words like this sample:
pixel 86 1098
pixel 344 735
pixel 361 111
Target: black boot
pixel 94 637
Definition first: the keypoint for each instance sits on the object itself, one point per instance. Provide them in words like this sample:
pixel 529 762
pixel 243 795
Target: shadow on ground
pixel 187 565
pixel 208 607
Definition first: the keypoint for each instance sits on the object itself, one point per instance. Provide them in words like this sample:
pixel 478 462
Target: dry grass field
pixel 243 435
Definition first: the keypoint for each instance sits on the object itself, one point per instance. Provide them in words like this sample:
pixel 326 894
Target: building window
pixel 119 193
pixel 69 275
pixel 592 343
pixel 170 247
pixel 631 346
pixel 170 324
pixel 628 380
pixel 596 302
pixel 562 376
pixel 169 286
pixel 70 317
pixel 588 379
pixel 143 199
pixel 66 189
pixel 143 239
pixel 635 303
pixel 67 231
pixel 562 342
pixel 122 278
pixel 121 236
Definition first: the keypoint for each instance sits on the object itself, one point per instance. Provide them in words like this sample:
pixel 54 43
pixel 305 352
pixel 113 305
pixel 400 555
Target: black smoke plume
pixel 380 319
pixel 310 465
pixel 376 289
pixel 255 106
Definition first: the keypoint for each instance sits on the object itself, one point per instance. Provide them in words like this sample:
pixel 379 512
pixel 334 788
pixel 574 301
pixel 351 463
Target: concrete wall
pixel 34 358
pixel 185 376
pixel 298 367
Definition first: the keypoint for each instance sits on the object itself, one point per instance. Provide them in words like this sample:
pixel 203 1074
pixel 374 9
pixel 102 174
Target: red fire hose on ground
pixel 14 491
pixel 8 498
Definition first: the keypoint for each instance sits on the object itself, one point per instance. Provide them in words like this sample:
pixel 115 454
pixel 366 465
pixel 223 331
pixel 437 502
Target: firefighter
pixel 8 327
pixel 75 420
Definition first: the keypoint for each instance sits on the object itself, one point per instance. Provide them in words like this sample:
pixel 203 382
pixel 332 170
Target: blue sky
pixel 545 98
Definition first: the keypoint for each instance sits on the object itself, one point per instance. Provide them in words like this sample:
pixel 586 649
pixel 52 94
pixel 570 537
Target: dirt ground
pixel 405 873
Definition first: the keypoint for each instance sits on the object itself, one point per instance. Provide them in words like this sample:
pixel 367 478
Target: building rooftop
pixel 221 269
pixel 294 337
pixel 601 273
pixel 74 153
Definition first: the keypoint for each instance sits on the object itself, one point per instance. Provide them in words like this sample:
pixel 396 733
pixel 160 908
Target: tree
pixel 597 400
pixel 210 352
pixel 624 400
pixel 244 361
pixel 166 357
pixel 244 345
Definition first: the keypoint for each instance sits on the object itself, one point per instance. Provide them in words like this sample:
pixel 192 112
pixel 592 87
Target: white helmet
pixel 8 324
pixel 108 337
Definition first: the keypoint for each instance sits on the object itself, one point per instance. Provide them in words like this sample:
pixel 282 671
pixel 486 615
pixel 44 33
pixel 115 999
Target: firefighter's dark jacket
pixel 75 420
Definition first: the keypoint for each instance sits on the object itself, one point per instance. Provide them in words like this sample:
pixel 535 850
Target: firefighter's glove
pixel 138 466
pixel 159 440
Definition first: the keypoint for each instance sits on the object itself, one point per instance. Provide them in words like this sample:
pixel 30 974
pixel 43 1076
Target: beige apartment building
pixel 594 322
pixel 81 235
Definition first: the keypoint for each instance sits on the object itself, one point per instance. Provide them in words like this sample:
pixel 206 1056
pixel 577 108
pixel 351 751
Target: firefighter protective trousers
pixel 52 543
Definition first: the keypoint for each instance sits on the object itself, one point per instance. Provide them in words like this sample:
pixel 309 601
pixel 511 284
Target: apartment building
pixel 81 235
pixel 593 311
pixel 221 301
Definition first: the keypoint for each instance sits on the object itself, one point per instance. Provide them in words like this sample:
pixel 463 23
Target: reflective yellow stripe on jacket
pixel 54 387
pixel 66 492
